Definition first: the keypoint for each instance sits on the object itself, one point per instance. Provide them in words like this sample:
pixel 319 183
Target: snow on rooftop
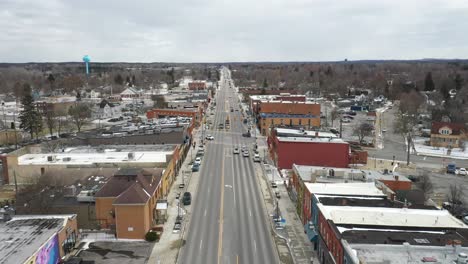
pixel 362 189
pixel 92 158
pixel 311 133
pixel 384 216
pixel 312 139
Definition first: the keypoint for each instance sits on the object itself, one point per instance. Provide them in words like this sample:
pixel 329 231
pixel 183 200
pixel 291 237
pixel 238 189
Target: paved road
pixel 228 222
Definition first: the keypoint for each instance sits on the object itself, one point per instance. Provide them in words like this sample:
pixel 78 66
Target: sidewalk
pixel 291 241
pixel 166 250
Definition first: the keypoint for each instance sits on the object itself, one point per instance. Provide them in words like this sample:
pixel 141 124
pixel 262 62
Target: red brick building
pixel 312 151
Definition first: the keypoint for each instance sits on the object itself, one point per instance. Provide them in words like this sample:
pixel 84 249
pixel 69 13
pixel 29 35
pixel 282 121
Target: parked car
pixel 353 113
pixel 195 167
pixel 187 198
pixel 197 161
pixel 246 134
pixel 461 171
pixel 256 158
pixel 345 120
pixel 209 137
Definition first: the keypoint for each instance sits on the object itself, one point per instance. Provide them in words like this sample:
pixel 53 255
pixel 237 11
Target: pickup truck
pixel 451 168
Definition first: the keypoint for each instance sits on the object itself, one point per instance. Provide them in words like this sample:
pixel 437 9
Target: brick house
pixel 445 134
pixel 127 202
pixel 197 85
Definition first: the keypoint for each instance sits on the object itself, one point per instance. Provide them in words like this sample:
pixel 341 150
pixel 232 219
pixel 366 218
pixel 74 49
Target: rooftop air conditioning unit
pixel 131 155
pixel 67 159
pixel 50 158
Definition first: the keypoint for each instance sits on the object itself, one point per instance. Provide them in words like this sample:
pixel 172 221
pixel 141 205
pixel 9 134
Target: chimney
pixel 316 133
pixel 396 177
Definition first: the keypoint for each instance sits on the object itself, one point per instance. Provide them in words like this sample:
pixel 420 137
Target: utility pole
pixel 341 128
pixel 16 190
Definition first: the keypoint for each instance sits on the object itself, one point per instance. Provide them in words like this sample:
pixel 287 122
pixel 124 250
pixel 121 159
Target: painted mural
pixel 48 254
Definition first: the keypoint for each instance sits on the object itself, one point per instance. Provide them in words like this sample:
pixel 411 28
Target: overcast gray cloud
pixel 239 30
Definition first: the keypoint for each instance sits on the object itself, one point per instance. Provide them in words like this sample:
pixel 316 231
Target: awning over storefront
pixel 311 233
pixel 161 205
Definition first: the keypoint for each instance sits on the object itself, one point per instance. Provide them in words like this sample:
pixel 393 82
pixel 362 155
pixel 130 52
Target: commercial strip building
pixel 255 101
pixel 301 176
pixel 318 151
pixel 72 164
pixel 348 234
pixel 269 120
pixel 37 238
pixel 128 203
pixel 294 113
pixel 357 222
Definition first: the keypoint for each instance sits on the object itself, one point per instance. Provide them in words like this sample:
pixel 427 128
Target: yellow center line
pixel 221 213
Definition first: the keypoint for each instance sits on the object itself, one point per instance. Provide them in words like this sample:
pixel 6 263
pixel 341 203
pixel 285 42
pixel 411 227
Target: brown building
pixel 197 85
pixel 127 202
pixel 444 134
pixel 287 114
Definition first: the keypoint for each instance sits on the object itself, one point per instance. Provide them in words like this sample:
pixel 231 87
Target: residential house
pixel 130 93
pixel 447 135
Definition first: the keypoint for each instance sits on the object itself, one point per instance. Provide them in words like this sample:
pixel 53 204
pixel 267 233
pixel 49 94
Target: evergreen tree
pixel 118 79
pixel 458 81
pixel 429 83
pixel 30 119
pixel 265 83
pixel 133 80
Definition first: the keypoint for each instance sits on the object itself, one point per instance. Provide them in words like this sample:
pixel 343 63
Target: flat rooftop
pixel 303 133
pixel 109 154
pixel 22 236
pixel 312 139
pixel 401 254
pixel 398 236
pixel 333 200
pixel 346 189
pixel 322 174
pixel 395 217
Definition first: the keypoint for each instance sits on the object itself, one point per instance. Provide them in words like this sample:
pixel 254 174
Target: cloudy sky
pixel 232 30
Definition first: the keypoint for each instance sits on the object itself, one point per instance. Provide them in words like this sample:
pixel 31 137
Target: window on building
pixel 281 121
pixel 308 122
pixel 271 121
pixel 300 121
pixel 290 122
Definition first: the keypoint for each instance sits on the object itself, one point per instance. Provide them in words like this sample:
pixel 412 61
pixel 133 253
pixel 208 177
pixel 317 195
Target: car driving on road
pixel 209 137
pixel 245 153
pixel 236 150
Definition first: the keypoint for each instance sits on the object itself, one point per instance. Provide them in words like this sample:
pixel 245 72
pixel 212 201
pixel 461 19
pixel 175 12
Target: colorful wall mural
pixel 48 254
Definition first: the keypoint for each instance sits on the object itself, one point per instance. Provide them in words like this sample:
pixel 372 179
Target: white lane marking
pixel 250 212
pixel 205 212
pixel 201 243
pixel 255 244
pixel 228 186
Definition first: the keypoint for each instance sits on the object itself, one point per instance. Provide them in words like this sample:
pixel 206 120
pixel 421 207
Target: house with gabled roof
pixel 127 202
pixel 447 135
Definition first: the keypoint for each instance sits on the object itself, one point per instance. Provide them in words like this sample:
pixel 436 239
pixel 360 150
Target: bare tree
pixel 79 113
pixel 362 130
pixel 425 184
pixel 50 119
pixel 407 118
pixel 334 114
pixel 455 198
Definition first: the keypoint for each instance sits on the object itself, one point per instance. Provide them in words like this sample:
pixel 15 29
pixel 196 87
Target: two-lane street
pixel 228 222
